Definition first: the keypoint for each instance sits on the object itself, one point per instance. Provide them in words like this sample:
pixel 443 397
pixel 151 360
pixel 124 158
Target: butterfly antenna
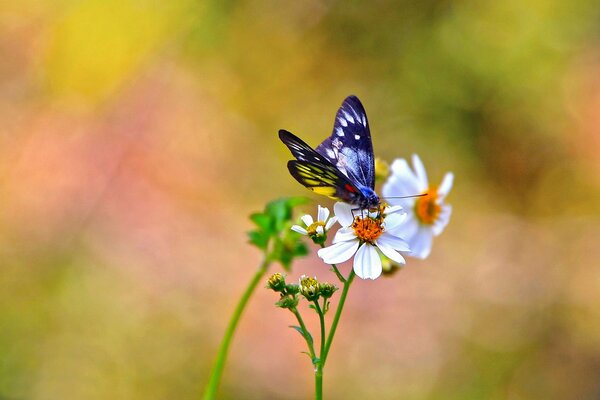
pixel 406 197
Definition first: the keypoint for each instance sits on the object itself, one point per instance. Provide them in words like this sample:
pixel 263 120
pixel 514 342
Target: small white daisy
pixel 363 235
pixel 316 229
pixel 427 215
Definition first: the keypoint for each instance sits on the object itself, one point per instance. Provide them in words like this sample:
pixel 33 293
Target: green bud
pixel 292 288
pixel 327 289
pixel 287 302
pixel 276 282
pixel 309 288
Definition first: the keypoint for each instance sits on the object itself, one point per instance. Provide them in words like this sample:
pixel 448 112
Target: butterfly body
pixel 343 165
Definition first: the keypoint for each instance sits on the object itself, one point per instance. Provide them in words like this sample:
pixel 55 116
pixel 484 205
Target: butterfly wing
pixel 316 172
pixel 349 147
pixel 324 179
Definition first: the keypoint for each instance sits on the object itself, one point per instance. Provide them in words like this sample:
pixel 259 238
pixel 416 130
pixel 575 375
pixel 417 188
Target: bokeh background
pixel 136 137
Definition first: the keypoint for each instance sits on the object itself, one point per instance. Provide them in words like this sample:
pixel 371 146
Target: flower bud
pixel 309 288
pixel 327 289
pixel 292 288
pixel 287 302
pixel 276 282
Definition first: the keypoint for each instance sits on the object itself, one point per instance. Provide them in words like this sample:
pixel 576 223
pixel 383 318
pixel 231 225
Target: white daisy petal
pixel 421 173
pixel 420 244
pixel 299 229
pixel 307 219
pixel 322 214
pixel 389 252
pixel 446 185
pixel 320 230
pixel 339 252
pixel 407 229
pixel 393 241
pixel 402 182
pixel 343 212
pixel 343 235
pixel 394 210
pixel 367 264
pixel 393 221
pixel 330 223
pixel 442 220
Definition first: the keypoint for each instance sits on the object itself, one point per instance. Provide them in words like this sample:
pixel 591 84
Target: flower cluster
pixel 310 288
pixel 413 214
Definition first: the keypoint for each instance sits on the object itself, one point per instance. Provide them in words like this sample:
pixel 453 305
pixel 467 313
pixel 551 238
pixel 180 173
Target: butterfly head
pixel 369 198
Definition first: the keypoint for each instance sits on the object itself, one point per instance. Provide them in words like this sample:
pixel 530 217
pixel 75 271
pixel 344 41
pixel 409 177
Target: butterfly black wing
pixel 316 172
pixel 349 147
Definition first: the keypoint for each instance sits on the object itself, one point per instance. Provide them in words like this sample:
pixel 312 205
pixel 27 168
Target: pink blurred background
pixel 137 136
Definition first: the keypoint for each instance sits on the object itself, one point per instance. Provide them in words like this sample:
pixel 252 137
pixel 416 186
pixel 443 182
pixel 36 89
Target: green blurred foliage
pixel 138 136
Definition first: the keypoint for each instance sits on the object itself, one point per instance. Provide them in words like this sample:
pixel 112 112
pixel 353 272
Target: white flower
pixel 427 215
pixel 316 228
pixel 363 235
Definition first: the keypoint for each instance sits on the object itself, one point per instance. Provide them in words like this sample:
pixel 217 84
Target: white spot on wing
pixel 348 117
pixel 364 120
pixel 342 121
pixel 356 137
pixel 339 131
pixel 330 153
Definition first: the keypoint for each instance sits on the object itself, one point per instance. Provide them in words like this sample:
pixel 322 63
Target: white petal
pixel 407 229
pixel 402 182
pixel 394 210
pixel 395 242
pixel 299 229
pixel 391 222
pixel 320 230
pixel 307 219
pixel 420 244
pixel 322 214
pixel 343 212
pixel 339 252
pixel 389 252
pixel 367 264
pixel 442 220
pixel 330 223
pixel 344 235
pixel 421 173
pixel 446 185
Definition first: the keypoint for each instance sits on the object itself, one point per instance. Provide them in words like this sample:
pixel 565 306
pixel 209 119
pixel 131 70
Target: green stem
pixel 319 381
pixel 322 322
pixel 319 366
pixel 311 348
pixel 336 318
pixel 217 369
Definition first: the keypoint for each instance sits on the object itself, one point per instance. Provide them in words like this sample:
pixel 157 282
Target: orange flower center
pixel 427 208
pixel 367 229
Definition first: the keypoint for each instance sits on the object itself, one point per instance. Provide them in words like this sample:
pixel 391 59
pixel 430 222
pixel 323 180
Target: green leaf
pixel 307 335
pixel 263 221
pixel 259 239
pixel 316 360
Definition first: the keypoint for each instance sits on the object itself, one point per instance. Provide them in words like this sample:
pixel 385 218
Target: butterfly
pixel 343 166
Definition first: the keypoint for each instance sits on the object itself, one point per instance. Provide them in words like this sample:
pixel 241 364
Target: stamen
pixel 368 229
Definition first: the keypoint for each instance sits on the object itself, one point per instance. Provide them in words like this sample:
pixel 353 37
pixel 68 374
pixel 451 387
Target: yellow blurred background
pixel 138 135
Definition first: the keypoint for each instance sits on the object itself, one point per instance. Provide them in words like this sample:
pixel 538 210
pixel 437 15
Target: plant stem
pixel 217 369
pixel 309 342
pixel 319 366
pixel 336 318
pixel 319 381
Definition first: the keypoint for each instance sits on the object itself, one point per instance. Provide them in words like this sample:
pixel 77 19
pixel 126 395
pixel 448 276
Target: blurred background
pixel 138 135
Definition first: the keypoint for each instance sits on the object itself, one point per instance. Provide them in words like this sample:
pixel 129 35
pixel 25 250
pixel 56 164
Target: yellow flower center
pixel 427 208
pixel 312 229
pixel 368 229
